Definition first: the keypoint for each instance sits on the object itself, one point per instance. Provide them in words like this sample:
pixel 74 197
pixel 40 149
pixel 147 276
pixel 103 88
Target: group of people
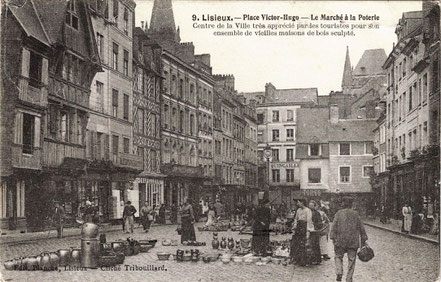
pixel 311 229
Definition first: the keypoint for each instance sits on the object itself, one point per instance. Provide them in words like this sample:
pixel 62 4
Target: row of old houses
pixel 96 109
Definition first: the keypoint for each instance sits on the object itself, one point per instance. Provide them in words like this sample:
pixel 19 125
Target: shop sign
pixel 284 165
pixel 312 192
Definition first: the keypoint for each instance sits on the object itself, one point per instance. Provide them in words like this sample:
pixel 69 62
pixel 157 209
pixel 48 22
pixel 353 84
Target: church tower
pixel 162 23
pixel 346 84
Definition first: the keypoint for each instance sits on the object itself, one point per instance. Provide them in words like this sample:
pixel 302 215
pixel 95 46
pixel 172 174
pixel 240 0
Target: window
pixel 181 121
pixel 290 175
pixel 126 145
pixel 275 115
pixel 275 135
pixel 367 170
pixel 425 87
pixel 71 17
pixel 100 96
pixel 126 21
pixel 153 121
pixel 100 45
pixel 260 118
pixel 410 98
pixel 275 154
pixel 115 103
pixel 314 150
pixel 115 144
pixel 126 107
pixel 35 68
pixel 345 149
pixel 126 63
pixel 276 175
pixel 191 124
pixel 289 115
pixel 435 74
pixel 404 67
pixel 115 9
pixel 368 148
pixel 153 158
pixel 289 154
pixel 290 134
pixel 345 174
pixel 115 56
pixel 181 88
pixel 140 121
pixel 28 133
pixel 64 126
pixel 314 175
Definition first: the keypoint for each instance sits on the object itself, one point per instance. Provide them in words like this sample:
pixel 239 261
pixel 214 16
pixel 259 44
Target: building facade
pixel 109 133
pixel 147 117
pixel 412 114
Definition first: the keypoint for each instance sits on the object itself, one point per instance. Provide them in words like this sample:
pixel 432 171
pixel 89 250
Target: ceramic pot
pixel 10 264
pixel 23 263
pixel 179 255
pixel 215 243
pixel 89 231
pixel 117 247
pixel 32 264
pixel 45 261
pixel 230 243
pixel 75 257
pixel 64 256
pixel 223 243
pixel 55 260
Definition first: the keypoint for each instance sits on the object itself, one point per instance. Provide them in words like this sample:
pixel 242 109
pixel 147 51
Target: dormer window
pixel 71 14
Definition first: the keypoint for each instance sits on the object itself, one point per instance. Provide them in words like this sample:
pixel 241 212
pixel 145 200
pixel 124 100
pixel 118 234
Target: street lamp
pixel 267 153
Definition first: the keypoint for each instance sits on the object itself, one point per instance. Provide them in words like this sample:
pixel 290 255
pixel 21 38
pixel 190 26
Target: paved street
pixel 397 259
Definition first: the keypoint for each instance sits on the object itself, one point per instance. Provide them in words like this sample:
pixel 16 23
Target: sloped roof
pixel 53 16
pixel 371 62
pixel 347 70
pixel 352 130
pixel 29 20
pixel 312 125
pixel 296 95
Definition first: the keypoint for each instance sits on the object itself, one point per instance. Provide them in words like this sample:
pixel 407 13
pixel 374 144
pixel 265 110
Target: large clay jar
pixel 215 243
pixel 45 262
pixel 89 231
pixel 75 257
pixel 55 260
pixel 64 255
pixel 32 264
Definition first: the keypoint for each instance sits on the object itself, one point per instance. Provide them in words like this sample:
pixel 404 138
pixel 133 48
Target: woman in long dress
pixel 211 216
pixel 407 218
pixel 301 229
pixel 187 221
pixel 324 237
pixel 316 257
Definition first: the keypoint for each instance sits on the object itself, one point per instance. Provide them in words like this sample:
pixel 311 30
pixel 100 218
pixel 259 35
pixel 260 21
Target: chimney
pixel 333 114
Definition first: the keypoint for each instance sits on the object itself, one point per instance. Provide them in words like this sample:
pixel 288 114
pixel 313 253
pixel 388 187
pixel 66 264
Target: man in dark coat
pixel 346 231
pixel 261 230
pixel 128 216
pixel 59 219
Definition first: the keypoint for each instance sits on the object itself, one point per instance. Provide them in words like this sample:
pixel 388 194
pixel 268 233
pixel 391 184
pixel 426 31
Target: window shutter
pixel 115 48
pixel 126 14
pixel 25 62
pixel 115 8
pixel 106 146
pixel 37 132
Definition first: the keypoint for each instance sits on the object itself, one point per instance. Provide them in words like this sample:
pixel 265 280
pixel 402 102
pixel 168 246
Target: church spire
pixel 162 21
pixel 346 83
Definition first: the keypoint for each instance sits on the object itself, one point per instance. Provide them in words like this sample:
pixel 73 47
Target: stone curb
pixel 412 236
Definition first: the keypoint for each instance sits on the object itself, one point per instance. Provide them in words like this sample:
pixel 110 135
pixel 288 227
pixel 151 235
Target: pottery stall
pixel 94 252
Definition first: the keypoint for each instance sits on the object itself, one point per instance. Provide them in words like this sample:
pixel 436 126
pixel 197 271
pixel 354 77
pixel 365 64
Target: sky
pixel 285 61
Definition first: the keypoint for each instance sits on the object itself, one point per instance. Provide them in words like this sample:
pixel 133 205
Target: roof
pixel 296 95
pixel 312 125
pixel 29 20
pixel 323 100
pixel 371 62
pixel 352 130
pixel 53 16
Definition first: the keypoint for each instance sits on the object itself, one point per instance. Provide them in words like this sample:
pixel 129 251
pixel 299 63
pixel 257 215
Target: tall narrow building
pixel 346 83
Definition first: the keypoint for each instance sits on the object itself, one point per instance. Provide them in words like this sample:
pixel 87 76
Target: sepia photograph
pixel 220 140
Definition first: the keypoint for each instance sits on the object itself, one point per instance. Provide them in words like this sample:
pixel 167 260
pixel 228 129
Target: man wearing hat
pixel 346 231
pixel 261 230
pixel 128 216
pixel 59 219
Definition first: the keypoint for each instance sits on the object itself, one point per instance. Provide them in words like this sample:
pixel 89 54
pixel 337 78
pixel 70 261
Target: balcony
pixel 69 91
pixel 32 94
pixel 27 161
pixel 182 170
pixel 54 152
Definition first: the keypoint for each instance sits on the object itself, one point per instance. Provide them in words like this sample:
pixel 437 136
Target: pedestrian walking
pixel 88 212
pixel 128 216
pixel 324 234
pixel 407 218
pixel 346 232
pixel 211 216
pixel 219 208
pixel 316 257
pixel 174 213
pixel 146 216
pixel 161 214
pixel 301 229
pixel 59 219
pixel 261 232
pixel 187 222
